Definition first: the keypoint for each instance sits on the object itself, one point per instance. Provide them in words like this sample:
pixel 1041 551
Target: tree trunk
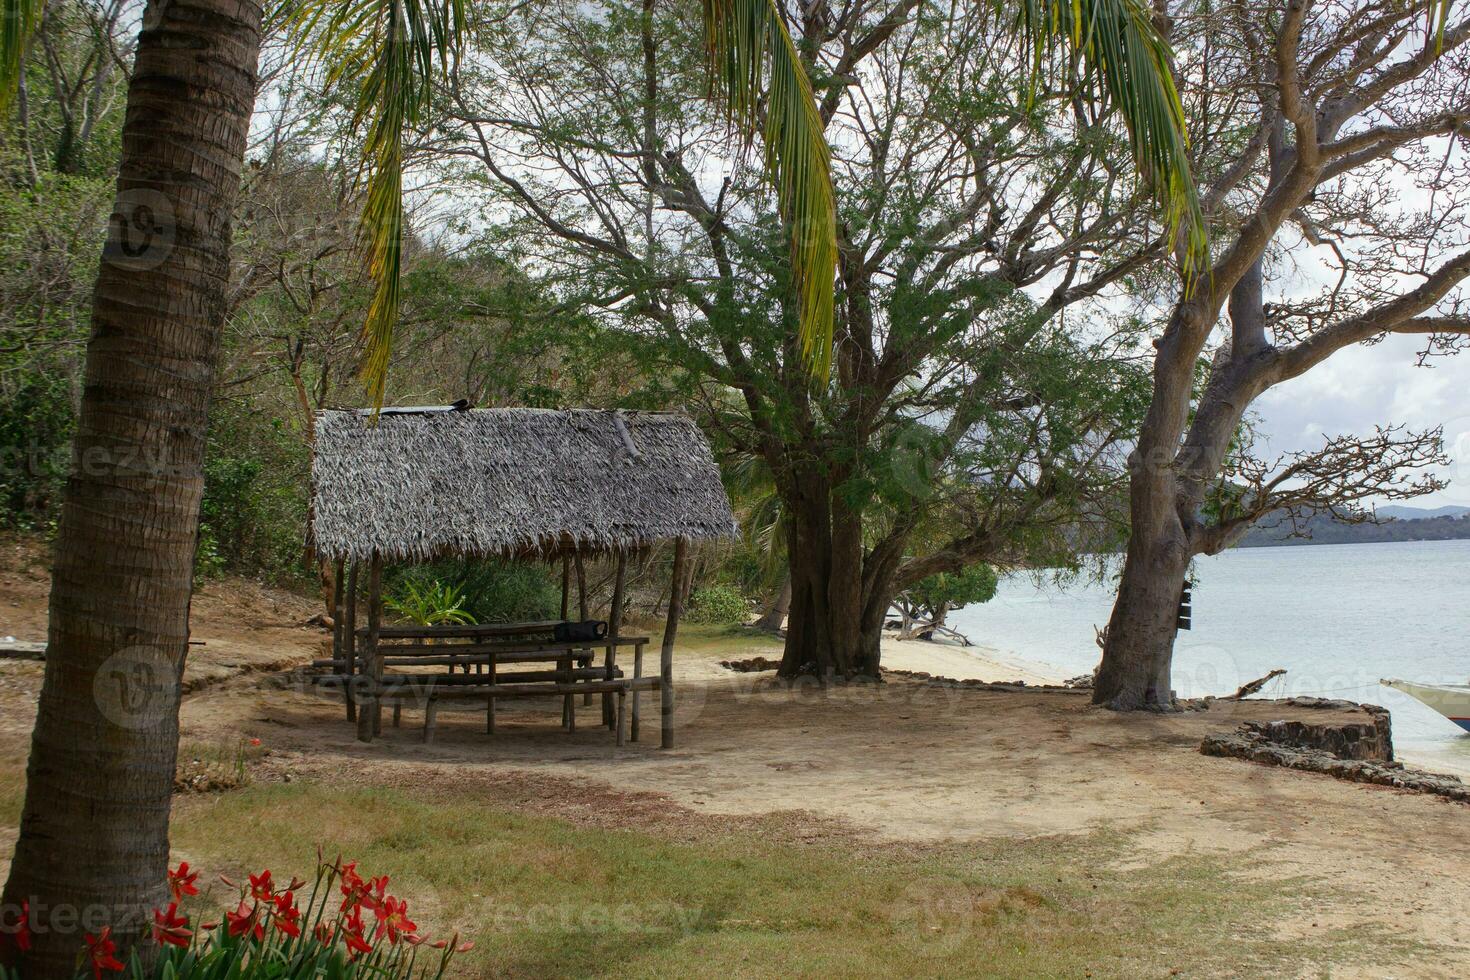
pixel 1139 649
pixel 94 827
pixel 1135 669
pixel 775 615
pixel 832 629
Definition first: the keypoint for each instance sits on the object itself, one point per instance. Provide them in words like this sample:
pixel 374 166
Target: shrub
pixel 719 605
pixel 268 933
pixel 431 603
pixel 490 591
pixel 256 474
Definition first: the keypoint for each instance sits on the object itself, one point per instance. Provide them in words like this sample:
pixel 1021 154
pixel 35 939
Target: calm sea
pixel 1337 617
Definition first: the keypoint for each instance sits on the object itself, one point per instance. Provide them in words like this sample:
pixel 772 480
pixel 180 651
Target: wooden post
pixel 614 628
pixel 666 654
pixel 337 632
pixel 349 646
pixel 622 721
pixel 637 694
pixel 566 584
pixel 581 586
pixel 375 622
pixel 582 613
pixel 490 701
pixel 370 713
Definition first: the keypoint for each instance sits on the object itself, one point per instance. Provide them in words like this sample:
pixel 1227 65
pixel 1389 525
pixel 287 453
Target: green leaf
pixel 755 68
pixel 385 53
pixel 1126 67
pixel 19 23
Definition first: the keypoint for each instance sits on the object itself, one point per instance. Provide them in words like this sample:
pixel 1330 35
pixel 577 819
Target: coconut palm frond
pixel 756 70
pixel 1439 19
pixel 386 53
pixel 1126 65
pixel 19 23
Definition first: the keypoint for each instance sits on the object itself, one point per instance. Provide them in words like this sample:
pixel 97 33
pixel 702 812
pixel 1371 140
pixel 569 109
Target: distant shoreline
pixel 1327 530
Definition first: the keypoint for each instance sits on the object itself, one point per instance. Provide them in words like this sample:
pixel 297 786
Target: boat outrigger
pixel 1450 700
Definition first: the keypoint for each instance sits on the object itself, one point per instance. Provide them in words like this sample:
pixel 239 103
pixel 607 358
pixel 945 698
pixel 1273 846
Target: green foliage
pixel 951 590
pixel 487 591
pixel 386 55
pixel 256 475
pixel 36 423
pixel 431 603
pixel 718 605
pixel 755 66
pixel 50 238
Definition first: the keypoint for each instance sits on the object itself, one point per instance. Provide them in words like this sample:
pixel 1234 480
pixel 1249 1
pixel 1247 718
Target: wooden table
pixel 480 652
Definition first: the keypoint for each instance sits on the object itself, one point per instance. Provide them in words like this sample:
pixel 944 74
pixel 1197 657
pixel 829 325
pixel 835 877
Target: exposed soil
pixel 903 761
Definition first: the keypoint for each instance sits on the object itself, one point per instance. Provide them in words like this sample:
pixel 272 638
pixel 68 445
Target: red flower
pixel 246 920
pixel 379 887
pixel 354 889
pixel 23 928
pixel 262 889
pixel 285 915
pixel 181 881
pixel 393 919
pixel 170 927
pixel 323 933
pixel 461 948
pixel 100 950
pixel 255 741
pixel 352 930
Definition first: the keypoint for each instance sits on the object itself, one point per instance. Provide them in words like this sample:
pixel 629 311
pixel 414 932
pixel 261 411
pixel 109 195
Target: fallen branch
pixel 1254 686
pixel 13 649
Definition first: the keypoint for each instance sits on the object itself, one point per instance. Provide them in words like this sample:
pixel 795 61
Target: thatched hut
pixel 415 485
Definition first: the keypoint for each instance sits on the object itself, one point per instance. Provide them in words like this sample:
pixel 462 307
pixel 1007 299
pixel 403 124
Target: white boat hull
pixel 1450 700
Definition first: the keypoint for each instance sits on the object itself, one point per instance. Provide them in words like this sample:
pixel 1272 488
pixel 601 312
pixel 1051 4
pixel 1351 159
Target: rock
pixel 1344 751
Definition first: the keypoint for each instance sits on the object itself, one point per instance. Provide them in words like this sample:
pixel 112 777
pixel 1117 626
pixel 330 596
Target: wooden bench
pixel 479 655
pixel 430 694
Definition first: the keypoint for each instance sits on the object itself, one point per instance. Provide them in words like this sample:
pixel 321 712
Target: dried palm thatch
pixel 510 481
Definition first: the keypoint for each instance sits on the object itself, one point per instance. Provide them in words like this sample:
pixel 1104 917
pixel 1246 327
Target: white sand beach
pixel 945 658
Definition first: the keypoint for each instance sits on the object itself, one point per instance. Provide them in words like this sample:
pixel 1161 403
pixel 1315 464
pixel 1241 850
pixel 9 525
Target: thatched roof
pixel 510 481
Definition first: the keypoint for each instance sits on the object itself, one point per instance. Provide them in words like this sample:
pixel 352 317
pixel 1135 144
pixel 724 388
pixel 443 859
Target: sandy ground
pixel 899 761
pixel 962 663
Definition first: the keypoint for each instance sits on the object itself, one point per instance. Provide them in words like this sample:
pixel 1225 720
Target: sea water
pixel 1336 617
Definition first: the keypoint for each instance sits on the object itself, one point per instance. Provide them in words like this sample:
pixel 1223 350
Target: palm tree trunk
pixel 775 615
pixel 94 828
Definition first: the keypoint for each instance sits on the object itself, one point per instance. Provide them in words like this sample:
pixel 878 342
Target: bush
pixel 252 519
pixel 719 605
pixel 487 591
pixel 432 603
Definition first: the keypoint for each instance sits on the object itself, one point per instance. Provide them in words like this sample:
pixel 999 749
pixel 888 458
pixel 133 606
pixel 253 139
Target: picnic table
pixel 424 665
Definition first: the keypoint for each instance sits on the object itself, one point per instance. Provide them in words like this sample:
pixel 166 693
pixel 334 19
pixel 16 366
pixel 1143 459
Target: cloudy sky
pixel 1360 387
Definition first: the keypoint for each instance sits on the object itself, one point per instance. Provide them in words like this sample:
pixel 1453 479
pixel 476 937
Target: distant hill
pixel 1402 513
pixel 1439 524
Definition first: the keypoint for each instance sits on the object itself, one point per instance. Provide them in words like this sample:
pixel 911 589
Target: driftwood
pixel 13 649
pixel 1254 686
pixel 927 633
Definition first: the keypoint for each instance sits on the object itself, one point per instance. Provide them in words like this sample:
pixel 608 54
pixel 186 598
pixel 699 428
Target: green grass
pixel 705 641
pixel 544 897
pixel 12 792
